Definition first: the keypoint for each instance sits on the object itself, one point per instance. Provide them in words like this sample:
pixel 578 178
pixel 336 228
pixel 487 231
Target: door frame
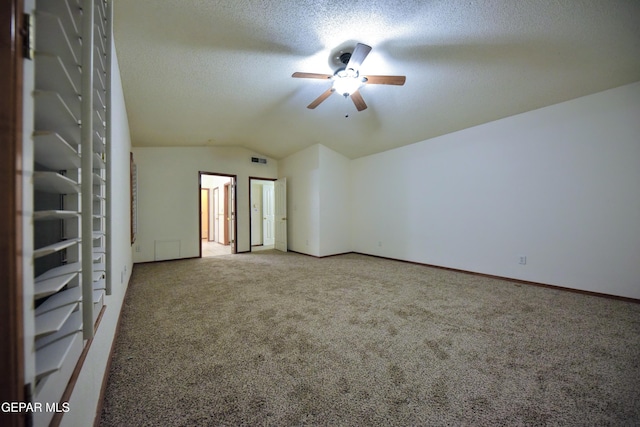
pixel 254 178
pixel 234 247
pixel 226 214
pixel 11 258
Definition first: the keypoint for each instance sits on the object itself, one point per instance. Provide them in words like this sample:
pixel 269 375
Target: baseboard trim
pixel 519 281
pixel 323 256
pixel 167 260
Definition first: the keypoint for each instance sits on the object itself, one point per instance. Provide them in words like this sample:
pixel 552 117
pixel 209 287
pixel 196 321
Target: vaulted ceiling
pixel 218 72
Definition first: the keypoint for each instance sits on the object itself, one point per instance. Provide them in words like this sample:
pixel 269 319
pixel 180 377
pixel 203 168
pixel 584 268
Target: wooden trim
pixel 11 293
pixel 227 215
pixel 166 260
pixel 325 256
pixel 490 276
pixel 199 214
pixel 234 190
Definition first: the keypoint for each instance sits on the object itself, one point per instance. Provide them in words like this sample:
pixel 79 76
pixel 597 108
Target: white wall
pixel 303 200
pixel 86 393
pixel 334 202
pixel 168 195
pixel 559 185
pixel 317 201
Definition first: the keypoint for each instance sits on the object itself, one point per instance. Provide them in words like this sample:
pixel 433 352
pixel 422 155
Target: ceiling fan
pixel 347 80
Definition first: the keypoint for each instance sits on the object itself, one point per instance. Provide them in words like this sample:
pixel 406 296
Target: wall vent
pixel 258 160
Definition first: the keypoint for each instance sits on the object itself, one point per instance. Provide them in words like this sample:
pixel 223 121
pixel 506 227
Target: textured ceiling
pixel 198 72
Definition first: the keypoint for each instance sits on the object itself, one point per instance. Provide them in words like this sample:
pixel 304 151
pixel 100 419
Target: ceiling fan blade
pixel 321 98
pixel 359 54
pixel 358 100
pixel 386 80
pixel 311 75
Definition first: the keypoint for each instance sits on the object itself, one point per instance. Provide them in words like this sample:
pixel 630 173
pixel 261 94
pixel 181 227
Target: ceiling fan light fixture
pixel 346 82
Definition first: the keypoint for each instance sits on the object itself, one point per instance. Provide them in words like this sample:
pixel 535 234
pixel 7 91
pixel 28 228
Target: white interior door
pixel 268 215
pixel 280 211
pixel 232 215
pixel 212 216
pixel 216 215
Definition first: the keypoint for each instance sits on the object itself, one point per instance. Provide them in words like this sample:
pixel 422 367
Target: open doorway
pixel 217 214
pixel 262 213
pixel 268 213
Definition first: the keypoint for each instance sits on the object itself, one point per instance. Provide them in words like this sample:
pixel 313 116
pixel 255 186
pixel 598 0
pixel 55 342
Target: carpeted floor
pixel 281 339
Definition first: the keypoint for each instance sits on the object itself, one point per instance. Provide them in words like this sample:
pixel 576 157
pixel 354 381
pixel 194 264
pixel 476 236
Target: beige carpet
pixel 280 339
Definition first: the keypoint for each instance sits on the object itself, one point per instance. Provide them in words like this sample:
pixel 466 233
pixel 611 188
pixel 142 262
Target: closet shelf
pixel 51 150
pixel 98 142
pixel 56 247
pixel 66 10
pixel 57 40
pixel 98 180
pixel 97 276
pixel 52 321
pixel 100 39
pixel 100 59
pixel 71 326
pixel 59 271
pixel 60 299
pixel 53 182
pixel 54 214
pixel 99 118
pixel 98 99
pixel 98 80
pixel 53 75
pixel 51 358
pixel 50 286
pixel 53 114
pixel 97 296
pixel 100 285
pixel 98 161
pixel 99 16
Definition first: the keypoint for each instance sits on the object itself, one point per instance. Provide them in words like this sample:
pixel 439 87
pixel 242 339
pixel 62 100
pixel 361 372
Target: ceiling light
pixel 345 82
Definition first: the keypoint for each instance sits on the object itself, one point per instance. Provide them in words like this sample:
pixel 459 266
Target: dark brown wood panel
pixel 11 325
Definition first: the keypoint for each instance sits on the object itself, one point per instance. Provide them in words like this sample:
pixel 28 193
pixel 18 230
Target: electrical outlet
pixel 137 248
pixel 379 243
pixel 522 260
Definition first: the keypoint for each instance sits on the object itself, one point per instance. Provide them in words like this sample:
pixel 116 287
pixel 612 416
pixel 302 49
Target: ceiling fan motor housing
pixel 340 58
